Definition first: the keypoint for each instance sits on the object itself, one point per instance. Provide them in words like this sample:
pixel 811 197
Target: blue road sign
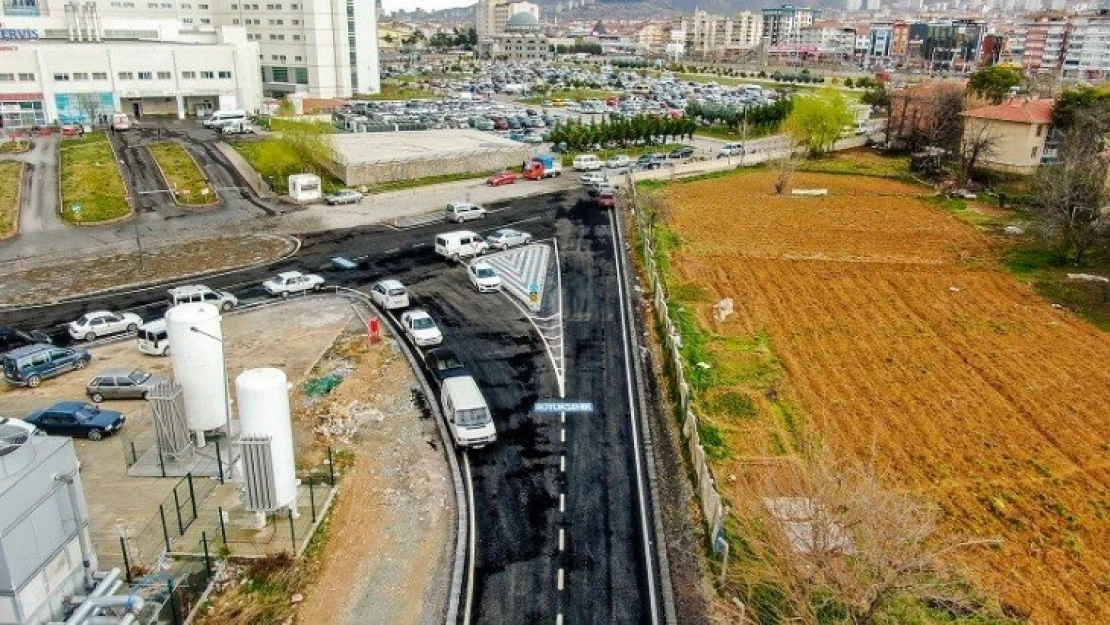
pixel 563 406
pixel 533 288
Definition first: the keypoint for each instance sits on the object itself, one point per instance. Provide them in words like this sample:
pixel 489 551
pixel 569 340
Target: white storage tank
pixel 198 364
pixel 263 399
pixel 305 188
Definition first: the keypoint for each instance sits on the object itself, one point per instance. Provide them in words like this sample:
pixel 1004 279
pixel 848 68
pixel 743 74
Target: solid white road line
pixel 562 502
pixel 563 435
pixel 560 579
pixel 563 463
pixel 641 488
pixel 559 619
pixel 472 549
pixel 562 539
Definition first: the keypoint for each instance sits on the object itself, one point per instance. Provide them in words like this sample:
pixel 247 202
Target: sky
pixel 427 5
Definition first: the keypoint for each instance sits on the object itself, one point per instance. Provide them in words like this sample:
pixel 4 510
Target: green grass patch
pixel 398 90
pixel 275 160
pixel 91 180
pixel 1047 270
pixel 285 124
pixel 398 185
pixel 11 177
pixel 859 165
pixel 185 179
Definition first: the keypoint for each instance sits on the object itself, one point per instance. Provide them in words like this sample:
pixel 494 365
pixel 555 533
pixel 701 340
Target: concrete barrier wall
pixel 370 173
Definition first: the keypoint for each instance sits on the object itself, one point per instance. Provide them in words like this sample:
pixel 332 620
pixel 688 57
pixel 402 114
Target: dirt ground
pixel 41 284
pixel 887 326
pixel 388 555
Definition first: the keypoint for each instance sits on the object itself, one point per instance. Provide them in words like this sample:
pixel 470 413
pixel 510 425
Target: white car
pixel 483 277
pixel 292 282
pixel 593 177
pixel 421 328
pixel 390 294
pixel 619 161
pixel 102 323
pixel 505 238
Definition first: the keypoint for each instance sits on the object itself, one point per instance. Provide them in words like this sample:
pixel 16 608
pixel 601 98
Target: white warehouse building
pixel 62 61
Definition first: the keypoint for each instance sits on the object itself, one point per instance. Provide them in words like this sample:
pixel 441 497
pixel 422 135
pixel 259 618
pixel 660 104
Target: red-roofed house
pixel 1018 129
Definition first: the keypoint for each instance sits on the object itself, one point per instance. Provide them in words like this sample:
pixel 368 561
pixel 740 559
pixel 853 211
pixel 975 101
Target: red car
pixel 606 200
pixel 505 177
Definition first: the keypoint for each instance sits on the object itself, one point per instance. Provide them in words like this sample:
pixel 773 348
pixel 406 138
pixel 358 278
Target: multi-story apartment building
pixel 326 48
pixel 880 40
pixel 1088 47
pixel 783 25
pixel 1039 42
pixel 829 38
pixel 900 39
pixel 709 35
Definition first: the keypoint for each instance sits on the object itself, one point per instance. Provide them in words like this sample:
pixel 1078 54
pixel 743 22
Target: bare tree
pixel 828 534
pixel 783 169
pixel 978 142
pixel 1071 195
pixel 89 103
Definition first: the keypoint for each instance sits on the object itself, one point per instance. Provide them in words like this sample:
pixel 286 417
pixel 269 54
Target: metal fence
pixel 706 484
pixel 142 550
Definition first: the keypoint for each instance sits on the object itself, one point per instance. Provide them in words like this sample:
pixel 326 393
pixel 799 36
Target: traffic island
pixel 91 185
pixel 182 175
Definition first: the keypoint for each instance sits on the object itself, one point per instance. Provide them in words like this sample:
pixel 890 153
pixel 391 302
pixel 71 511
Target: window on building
pixel 205 20
pixel 187 20
pixel 202 7
pixel 129 5
pixel 301 75
pixel 26 77
pixel 294 6
pixel 188 75
pixel 280 22
pixel 235 21
pixel 146 76
pixel 1040 130
pixel 117 4
pixel 273 37
pixel 164 76
pixel 235 7
pixel 297 58
pixel 224 74
pixel 281 37
pixel 296 22
pixel 80 75
pixel 296 37
pixel 186 5
pixel 100 76
pixel 280 74
pixel 126 76
pixel 166 5
pixel 61 77
pixel 7 77
pixel 1033 154
pixel 152 5
pixel 207 74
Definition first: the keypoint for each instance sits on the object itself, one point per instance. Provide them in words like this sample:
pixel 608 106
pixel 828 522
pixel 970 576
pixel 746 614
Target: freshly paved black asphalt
pixel 518 480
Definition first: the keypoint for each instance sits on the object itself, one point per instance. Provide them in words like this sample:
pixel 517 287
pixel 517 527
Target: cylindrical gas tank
pixel 262 396
pixel 198 363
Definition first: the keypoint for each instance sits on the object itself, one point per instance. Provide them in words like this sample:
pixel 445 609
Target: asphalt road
pixel 39 211
pixel 542 475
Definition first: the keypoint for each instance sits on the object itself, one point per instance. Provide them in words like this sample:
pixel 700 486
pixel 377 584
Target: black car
pixel 12 338
pixel 682 152
pixel 444 363
pixel 647 162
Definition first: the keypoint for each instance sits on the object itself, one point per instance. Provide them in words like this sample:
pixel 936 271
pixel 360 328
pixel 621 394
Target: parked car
pixel 596 189
pixel 444 363
pixel 152 338
pixel 421 328
pixel 455 245
pixel 199 293
pixel 74 418
pixel 14 338
pixel 29 366
pixel 484 277
pixel 619 161
pixel 731 149
pixel 498 179
pixel 682 152
pixel 505 238
pixel 606 199
pixel 292 282
pixel 647 162
pixel 121 384
pixel 390 294
pixel 592 177
pixel 459 212
pixel 103 323
pixel 343 196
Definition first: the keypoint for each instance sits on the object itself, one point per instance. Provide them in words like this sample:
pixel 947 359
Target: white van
pixel 588 162
pixel 153 338
pixel 120 121
pixel 467 414
pixel 455 245
pixel 219 119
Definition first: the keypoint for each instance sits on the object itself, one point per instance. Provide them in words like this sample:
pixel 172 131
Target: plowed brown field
pixel 899 339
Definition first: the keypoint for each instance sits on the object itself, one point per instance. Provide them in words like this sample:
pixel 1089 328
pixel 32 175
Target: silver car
pixel 505 238
pixel 121 384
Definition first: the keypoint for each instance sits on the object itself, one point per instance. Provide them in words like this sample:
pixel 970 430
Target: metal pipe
pixel 82 612
pixel 86 551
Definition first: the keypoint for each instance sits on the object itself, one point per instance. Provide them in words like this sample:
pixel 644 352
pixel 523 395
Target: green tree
pixel 1079 102
pixel 995 82
pixel 817 119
